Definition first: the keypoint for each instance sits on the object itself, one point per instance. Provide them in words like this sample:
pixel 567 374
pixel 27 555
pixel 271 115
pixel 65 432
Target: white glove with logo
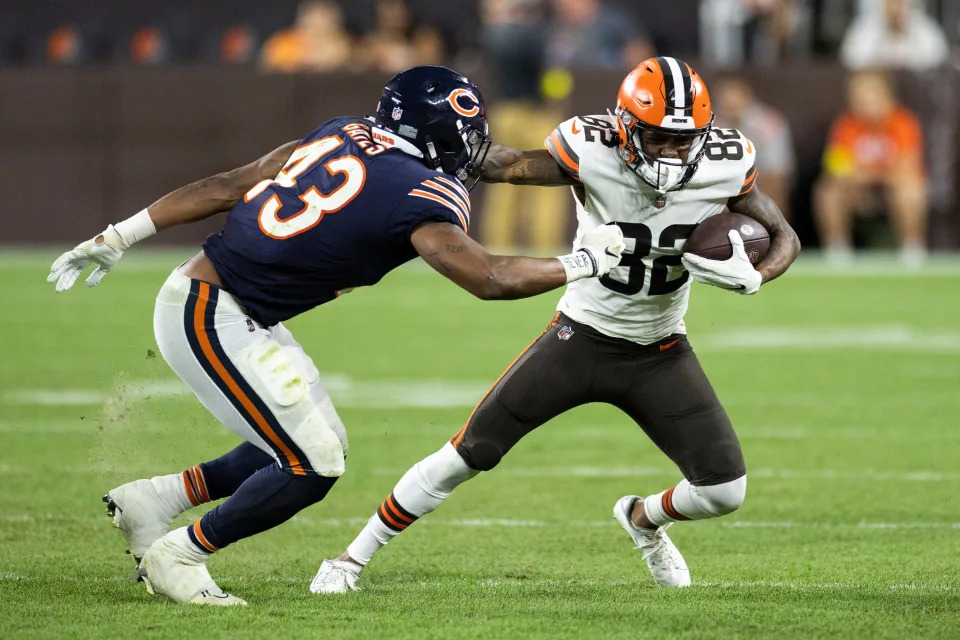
pixel 599 251
pixel 735 273
pixel 104 251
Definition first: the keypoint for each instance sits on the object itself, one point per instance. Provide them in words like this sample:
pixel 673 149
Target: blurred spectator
pixel 589 33
pixel 398 42
pixel 874 152
pixel 65 46
pixel 734 32
pixel 149 45
pixel 316 41
pixel 902 36
pixel 514 42
pixel 769 131
pixel 238 45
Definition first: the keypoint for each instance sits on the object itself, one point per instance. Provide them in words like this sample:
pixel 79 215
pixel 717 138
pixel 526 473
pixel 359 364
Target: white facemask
pixel 664 174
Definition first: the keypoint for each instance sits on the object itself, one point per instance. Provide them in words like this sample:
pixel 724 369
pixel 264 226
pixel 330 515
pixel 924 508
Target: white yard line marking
pixel 347 393
pixel 482 523
pixel 810 337
pixel 568 472
pixel 791 585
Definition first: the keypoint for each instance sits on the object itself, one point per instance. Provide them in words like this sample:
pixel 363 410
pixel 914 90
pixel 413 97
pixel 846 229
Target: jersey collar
pixel 394 141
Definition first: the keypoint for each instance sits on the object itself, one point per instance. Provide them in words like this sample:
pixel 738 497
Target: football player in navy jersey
pixel 309 221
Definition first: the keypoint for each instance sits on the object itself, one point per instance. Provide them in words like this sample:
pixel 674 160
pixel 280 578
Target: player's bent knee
pixel 481 456
pixel 442 471
pixel 725 498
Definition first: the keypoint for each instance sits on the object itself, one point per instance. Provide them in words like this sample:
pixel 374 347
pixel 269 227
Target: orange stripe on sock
pixel 667 504
pixel 198 325
pixel 386 516
pixel 197 531
pixel 189 487
pixel 201 484
pixel 394 511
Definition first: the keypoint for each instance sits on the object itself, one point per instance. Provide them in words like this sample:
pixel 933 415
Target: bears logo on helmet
pixel 456 101
pixel 441 113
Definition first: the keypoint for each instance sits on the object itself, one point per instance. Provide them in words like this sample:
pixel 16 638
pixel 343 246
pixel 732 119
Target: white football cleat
pixel 666 564
pixel 172 568
pixel 137 511
pixel 336 576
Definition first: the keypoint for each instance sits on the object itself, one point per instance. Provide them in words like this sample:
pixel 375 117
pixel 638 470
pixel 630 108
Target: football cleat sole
pixel 112 511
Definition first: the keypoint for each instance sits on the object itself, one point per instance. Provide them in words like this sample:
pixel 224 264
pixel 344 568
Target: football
pixel 710 238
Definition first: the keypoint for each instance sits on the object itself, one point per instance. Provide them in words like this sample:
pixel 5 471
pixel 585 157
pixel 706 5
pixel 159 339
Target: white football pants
pixel 257 381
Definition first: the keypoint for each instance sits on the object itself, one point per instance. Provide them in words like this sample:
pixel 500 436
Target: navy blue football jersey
pixel 338 216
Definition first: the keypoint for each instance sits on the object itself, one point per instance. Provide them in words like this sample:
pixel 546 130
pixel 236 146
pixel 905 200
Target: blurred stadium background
pixel 120 101
pixel 843 378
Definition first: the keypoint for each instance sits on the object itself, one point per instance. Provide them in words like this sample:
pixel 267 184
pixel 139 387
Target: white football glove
pixel 104 254
pixel 599 251
pixel 605 244
pixel 735 273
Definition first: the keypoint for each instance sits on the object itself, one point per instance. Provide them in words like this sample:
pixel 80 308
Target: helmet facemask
pixel 638 138
pixel 463 157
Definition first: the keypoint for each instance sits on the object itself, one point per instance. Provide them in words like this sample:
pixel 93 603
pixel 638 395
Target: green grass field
pixel 845 391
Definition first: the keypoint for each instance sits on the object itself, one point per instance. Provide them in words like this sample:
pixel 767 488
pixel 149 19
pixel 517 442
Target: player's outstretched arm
pixel 537 167
pixel 446 248
pixel 784 243
pixel 191 203
pixel 217 193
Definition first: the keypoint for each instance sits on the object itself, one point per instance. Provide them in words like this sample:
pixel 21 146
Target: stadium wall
pixel 80 148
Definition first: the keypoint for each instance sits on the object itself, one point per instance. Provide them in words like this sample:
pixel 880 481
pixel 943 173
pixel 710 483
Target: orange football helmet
pixel 664 119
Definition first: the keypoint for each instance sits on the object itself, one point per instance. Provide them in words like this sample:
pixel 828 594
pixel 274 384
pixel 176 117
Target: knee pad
pixel 480 455
pixel 283 375
pixel 724 498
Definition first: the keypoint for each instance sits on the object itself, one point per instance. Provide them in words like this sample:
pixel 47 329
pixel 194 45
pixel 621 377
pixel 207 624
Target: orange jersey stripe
pixel 456 186
pixel 560 154
pixel 449 205
pixel 464 207
pixel 207 348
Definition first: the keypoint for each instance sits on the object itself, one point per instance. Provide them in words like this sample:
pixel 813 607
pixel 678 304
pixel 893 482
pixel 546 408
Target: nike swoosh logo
pixel 664 347
pixel 749 147
pixel 573 128
pixel 612 255
pixel 739 287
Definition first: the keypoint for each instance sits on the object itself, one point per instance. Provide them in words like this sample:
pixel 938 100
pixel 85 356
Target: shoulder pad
pixel 730 159
pixel 572 138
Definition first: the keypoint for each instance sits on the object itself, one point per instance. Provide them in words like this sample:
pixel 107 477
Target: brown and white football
pixel 710 238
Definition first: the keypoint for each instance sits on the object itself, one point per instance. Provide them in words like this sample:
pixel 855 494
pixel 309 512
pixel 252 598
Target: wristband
pixel 134 229
pixel 579 264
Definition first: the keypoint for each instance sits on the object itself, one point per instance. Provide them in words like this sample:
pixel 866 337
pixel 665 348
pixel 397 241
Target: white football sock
pixel 420 491
pixel 172 493
pixel 688 502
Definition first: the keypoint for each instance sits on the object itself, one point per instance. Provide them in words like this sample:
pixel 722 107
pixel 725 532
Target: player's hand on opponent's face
pixel 104 251
pixel 735 273
pixel 605 245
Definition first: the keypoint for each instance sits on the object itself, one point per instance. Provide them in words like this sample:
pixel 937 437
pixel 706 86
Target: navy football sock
pixel 269 497
pixel 225 474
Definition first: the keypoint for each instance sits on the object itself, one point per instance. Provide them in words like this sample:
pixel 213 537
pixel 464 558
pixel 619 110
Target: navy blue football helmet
pixel 442 114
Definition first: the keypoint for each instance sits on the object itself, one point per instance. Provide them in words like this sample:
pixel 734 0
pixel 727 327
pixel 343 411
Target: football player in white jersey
pixel 656 168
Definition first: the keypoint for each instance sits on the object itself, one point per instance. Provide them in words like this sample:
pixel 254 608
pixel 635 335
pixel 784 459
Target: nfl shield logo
pixel 565 333
pixel 397 113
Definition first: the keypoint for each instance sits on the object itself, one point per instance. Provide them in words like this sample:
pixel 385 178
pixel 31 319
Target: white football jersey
pixel 645 298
